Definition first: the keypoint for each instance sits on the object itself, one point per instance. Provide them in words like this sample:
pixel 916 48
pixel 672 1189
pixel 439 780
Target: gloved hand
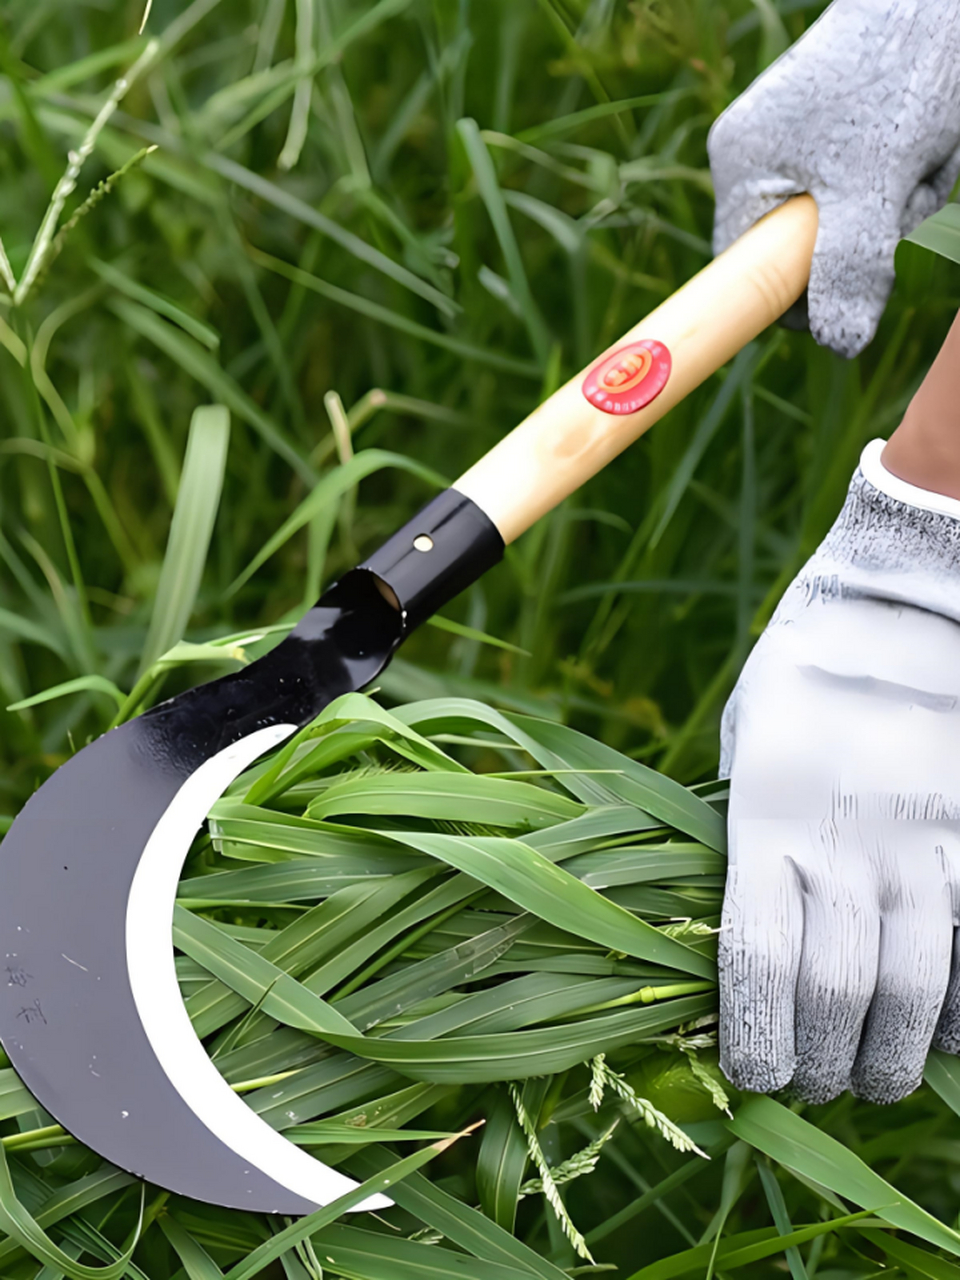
pixel 839 955
pixel 864 113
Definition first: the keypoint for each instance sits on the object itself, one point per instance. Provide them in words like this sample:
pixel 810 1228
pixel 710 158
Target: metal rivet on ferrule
pixel 423 542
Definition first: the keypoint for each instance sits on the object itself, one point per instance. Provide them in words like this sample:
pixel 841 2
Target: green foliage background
pixel 396 226
pixel 637 600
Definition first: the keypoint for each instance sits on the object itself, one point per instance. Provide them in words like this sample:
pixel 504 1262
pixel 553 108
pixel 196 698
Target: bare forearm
pixel 925 448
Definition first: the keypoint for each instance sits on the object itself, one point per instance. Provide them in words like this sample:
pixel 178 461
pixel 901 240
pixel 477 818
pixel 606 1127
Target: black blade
pixel 90 1014
pixel 69 1019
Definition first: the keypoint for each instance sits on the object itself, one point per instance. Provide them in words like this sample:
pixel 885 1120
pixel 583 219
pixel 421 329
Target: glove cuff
pixel 891 541
pixel 901 490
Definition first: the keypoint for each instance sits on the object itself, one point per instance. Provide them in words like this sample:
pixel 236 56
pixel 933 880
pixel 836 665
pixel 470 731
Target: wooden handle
pixel 585 424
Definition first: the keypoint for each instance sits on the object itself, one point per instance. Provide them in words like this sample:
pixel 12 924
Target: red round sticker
pixel 630 378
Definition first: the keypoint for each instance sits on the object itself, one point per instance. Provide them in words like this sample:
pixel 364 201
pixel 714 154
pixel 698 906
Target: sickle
pixel 90 1012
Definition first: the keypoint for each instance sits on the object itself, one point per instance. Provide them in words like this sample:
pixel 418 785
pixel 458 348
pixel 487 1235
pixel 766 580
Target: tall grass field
pixel 273 272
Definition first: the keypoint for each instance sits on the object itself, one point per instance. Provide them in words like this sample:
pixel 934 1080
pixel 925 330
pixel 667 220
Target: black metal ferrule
pixel 447 545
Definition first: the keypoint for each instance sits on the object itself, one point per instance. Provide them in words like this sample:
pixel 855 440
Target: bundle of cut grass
pixel 449 918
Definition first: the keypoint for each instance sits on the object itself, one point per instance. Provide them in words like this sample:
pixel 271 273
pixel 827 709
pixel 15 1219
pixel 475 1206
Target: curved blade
pixel 90 1012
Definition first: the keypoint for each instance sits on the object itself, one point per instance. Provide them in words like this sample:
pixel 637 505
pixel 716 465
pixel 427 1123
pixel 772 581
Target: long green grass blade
pixel 255 978
pixel 381 1181
pixel 395 319
pixel 22 1227
pixel 191 529
pixel 538 885
pixel 460 1223
pixel 197 1263
pixel 368 1255
pixel 328 490
pixel 915 1262
pixel 504 1155
pixel 299 209
pixel 742 1249
pixel 82 684
pixel 940 232
pixel 496 802
pixel 521 1054
pixel 797 1145
pixel 554 745
pixel 485 176
pixel 198 364
pixel 121 281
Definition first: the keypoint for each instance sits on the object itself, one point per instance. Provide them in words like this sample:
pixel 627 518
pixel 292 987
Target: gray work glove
pixel 864 113
pixel 839 955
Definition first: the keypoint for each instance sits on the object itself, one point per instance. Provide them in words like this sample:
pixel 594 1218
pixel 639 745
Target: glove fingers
pixel 744 188
pixel 916 941
pixel 852 273
pixel 838 972
pixel 759 956
pixel 746 202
